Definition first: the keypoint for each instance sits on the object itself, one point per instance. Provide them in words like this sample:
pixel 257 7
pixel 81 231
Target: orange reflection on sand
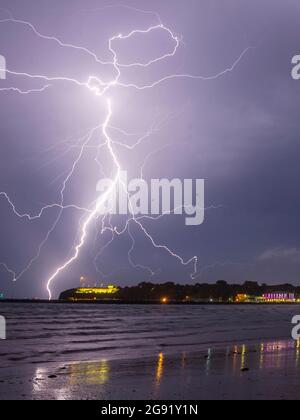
pixel 160 367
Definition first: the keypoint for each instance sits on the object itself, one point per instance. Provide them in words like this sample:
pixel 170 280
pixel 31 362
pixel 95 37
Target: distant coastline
pixel 171 293
pixel 220 293
pixel 146 302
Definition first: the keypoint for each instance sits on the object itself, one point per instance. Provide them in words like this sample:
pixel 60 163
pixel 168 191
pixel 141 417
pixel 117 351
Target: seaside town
pixel 220 292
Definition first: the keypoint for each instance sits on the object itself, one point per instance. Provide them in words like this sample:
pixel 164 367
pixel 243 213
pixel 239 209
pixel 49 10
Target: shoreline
pixel 146 302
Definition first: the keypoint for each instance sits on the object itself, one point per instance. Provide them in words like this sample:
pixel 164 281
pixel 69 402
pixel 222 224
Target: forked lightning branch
pixel 137 204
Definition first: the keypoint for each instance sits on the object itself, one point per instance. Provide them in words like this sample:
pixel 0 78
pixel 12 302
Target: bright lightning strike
pixel 97 207
pixel 100 88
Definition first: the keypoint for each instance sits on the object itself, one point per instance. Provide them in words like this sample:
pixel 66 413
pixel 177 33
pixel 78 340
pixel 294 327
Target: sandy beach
pixel 266 371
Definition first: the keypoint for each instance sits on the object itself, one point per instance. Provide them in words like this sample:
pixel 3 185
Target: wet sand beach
pixel 267 371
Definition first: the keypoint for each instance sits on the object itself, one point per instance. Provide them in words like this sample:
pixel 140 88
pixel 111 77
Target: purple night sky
pixel 240 132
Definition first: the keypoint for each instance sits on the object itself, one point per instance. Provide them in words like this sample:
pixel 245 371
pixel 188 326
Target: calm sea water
pixel 41 333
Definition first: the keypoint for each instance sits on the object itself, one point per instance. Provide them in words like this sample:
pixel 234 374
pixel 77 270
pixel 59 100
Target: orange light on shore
pixel 164 300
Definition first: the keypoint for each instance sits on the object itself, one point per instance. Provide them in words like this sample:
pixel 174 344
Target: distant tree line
pixel 219 291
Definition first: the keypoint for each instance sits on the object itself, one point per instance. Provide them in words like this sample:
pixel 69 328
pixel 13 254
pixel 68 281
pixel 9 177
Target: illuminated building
pixel 89 293
pixel 274 297
pixel 279 297
pixel 243 298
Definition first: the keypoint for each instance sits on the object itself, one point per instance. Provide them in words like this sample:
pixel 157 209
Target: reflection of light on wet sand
pixel 90 373
pixel 42 383
pixel 270 355
pixel 39 380
pixel 159 371
pixel 234 359
pixel 243 358
pixel 277 346
pixel 261 357
pixel 61 385
pixel 208 361
pixel 267 358
pixel 297 353
pixel 273 354
pixel 160 368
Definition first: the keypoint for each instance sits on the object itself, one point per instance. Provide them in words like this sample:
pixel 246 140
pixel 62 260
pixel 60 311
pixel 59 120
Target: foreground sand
pixel 265 371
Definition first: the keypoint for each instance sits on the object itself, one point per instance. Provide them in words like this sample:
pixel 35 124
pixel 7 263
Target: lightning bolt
pixel 101 89
pixel 97 207
pixel 25 92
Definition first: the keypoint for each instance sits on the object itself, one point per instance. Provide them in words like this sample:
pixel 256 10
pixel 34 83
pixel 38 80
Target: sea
pixel 43 333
